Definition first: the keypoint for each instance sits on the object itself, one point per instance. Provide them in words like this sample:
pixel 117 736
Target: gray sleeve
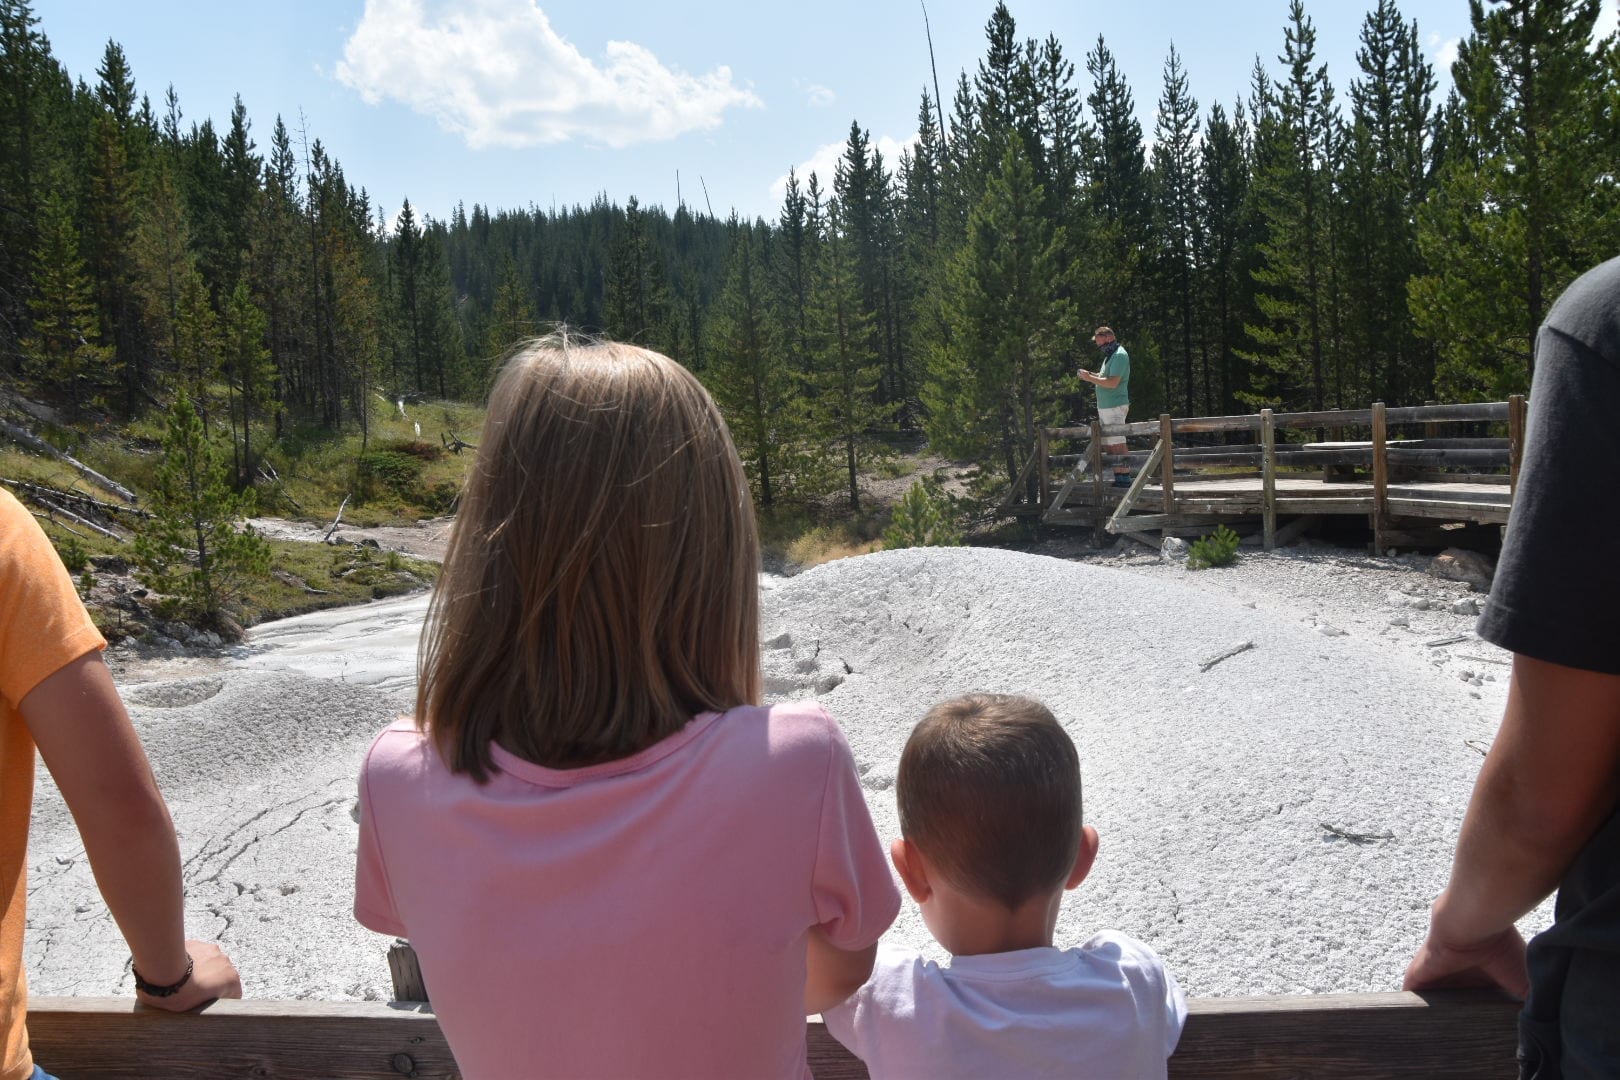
pixel 1557 590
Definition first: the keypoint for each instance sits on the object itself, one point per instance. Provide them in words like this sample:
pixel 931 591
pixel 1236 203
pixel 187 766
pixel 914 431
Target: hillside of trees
pixel 1310 246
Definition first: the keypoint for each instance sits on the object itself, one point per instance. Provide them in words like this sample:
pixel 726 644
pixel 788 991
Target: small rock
pixel 1395 599
pixel 828 683
pixel 1419 603
pixel 1329 630
pixel 783 640
pixel 1174 549
pixel 1465 606
pixel 1469 567
pixel 1400 620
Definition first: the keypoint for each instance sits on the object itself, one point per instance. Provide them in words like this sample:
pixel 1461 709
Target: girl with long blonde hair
pixel 610 858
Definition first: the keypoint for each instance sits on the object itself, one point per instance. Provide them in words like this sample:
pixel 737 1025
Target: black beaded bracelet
pixel 162 991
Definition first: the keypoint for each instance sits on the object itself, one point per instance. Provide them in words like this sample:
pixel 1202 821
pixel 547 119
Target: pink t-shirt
pixel 645 917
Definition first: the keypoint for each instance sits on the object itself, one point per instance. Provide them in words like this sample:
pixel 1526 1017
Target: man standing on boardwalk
pixel 1113 382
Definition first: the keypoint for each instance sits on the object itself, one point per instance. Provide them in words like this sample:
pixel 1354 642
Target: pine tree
pixel 1527 199
pixel 847 367
pixel 276 269
pixel 247 366
pixel 745 373
pixel 861 185
pixel 61 351
pixel 511 318
pixel 1226 251
pixel 407 251
pixel 1117 198
pixel 240 194
pixel 110 239
pixel 1385 180
pixel 1178 223
pixel 795 261
pixel 998 375
pixel 196 346
pixel 637 300
pixel 162 256
pixel 1294 182
pixel 190 548
pixel 26 72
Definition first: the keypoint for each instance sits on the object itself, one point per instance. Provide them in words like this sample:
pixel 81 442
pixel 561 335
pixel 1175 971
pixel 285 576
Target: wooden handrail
pixel 1440 1034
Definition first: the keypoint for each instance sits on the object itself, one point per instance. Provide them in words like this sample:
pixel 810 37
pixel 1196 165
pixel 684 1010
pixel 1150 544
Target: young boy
pixel 991 838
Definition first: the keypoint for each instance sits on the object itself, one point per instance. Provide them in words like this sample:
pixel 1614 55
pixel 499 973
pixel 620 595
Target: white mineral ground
pixel 1217 792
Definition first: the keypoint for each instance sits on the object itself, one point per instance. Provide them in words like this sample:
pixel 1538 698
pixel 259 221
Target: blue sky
pixel 517 102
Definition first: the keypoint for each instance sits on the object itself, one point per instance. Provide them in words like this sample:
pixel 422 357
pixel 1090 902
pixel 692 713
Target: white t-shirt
pixel 1107 1010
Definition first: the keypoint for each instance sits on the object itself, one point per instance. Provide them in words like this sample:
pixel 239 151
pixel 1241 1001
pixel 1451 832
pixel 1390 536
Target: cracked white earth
pixel 1216 791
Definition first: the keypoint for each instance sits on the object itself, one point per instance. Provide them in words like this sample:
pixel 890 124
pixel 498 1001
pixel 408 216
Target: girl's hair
pixel 601 585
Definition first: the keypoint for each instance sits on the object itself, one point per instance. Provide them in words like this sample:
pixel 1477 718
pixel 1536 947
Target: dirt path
pixel 424 540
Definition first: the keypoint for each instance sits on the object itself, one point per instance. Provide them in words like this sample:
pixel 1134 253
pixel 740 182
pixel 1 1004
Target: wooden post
pixel 1380 477
pixel 1098 492
pixel 1516 419
pixel 1431 430
pixel 1268 475
pixel 1124 508
pixel 1167 464
pixel 406 972
pixel 1045 452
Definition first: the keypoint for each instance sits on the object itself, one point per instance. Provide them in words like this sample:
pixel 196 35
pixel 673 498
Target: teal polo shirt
pixel 1117 364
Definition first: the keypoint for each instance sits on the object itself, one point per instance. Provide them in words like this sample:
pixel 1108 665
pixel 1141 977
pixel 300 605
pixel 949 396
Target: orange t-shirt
pixel 43 628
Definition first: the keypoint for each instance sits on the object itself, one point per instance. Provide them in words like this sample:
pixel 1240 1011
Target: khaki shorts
pixel 1111 417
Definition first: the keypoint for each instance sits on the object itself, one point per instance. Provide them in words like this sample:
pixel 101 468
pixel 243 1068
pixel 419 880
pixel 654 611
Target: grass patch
pixel 804 537
pixel 309 577
pixel 402 477
pixel 824 543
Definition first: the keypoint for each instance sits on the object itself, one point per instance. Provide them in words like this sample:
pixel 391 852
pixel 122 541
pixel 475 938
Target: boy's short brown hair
pixel 989 792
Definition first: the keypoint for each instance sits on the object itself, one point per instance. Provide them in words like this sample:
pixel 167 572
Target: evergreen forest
pixel 1328 240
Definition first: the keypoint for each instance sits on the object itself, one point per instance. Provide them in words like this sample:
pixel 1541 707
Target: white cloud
pixel 497 74
pixel 819 96
pixel 1446 54
pixel 824 163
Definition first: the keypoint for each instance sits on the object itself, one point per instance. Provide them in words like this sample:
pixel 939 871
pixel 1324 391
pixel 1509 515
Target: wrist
pixel 167 989
pixel 1452 925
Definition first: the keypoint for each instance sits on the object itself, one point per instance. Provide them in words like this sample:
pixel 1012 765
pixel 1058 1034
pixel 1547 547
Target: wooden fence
pixel 1398 483
pixel 1440 1034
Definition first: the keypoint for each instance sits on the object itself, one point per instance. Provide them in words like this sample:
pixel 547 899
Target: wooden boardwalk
pixel 1406 486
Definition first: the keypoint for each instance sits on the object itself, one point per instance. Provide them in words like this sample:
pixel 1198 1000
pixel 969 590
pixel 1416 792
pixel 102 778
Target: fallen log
pixel 34 442
pixel 83 522
pixel 335 520
pixel 74 497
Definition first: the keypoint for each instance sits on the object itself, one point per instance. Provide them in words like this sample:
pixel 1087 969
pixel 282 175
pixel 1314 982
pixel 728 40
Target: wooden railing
pixel 1271 455
pixel 1442 1034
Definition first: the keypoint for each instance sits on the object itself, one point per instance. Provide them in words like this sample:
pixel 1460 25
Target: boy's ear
pixel 1083 860
pixel 913 871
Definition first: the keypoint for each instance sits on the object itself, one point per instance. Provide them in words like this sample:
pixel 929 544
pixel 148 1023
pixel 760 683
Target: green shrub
pixel 399 472
pixel 73 555
pixel 923 519
pixel 415 448
pixel 1219 548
